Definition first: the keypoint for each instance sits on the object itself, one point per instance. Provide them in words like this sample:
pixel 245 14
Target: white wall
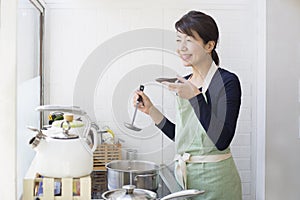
pixel 77 31
pixel 8 25
pixel 28 85
pixel 283 103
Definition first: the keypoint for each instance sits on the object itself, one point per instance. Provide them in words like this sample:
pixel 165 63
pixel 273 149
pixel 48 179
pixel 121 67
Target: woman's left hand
pixel 184 88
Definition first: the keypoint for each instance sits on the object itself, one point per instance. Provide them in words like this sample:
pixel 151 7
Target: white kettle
pixel 65 154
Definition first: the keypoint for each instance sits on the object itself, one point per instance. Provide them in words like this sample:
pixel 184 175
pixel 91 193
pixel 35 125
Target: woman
pixel 208 104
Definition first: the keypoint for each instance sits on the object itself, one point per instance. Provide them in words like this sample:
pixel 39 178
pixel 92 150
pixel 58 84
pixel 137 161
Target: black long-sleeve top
pixel 219 114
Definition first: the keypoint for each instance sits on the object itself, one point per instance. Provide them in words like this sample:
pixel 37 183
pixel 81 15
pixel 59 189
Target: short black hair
pixel 204 25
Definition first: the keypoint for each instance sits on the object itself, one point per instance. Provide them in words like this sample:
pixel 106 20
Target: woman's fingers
pixel 172 86
pixel 142 94
pixel 145 104
pixel 183 88
pixel 181 79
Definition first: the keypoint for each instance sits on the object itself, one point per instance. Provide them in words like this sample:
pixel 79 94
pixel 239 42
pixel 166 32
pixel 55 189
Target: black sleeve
pixel 218 115
pixel 167 127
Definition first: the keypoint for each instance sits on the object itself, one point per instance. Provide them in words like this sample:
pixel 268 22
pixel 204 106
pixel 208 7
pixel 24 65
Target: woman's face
pixel 190 49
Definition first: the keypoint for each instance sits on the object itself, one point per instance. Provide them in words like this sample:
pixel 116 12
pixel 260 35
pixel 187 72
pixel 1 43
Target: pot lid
pixel 129 193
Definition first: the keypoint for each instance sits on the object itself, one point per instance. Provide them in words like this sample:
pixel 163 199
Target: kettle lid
pixel 64 137
pixel 73 124
pixel 66 126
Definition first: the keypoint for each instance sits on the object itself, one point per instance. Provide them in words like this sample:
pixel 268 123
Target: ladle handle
pixel 140 99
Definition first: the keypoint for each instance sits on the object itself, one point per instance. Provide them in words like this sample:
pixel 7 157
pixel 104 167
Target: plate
pixel 170 80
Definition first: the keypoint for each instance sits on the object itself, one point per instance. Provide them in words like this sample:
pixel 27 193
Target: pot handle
pixel 144 176
pixel 183 193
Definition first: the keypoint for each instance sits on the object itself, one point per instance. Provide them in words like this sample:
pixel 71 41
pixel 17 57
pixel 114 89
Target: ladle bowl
pixel 132 127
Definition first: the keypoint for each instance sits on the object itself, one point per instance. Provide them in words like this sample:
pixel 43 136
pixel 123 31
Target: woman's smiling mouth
pixel 185 56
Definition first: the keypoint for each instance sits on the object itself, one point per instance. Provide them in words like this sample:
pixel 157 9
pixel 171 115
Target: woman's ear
pixel 209 46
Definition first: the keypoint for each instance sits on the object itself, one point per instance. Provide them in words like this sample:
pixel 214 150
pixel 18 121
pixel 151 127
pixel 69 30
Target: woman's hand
pixel 145 105
pixel 184 88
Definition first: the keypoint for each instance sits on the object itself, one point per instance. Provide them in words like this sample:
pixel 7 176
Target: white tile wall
pixel 74 30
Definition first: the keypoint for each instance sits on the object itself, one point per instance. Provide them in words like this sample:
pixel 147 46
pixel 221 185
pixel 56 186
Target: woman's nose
pixel 182 46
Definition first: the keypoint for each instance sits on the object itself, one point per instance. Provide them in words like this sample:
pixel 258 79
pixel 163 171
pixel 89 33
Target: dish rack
pixel 103 155
pixel 106 153
pixel 99 183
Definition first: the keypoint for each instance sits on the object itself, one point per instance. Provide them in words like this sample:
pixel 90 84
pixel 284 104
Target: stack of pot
pixel 124 176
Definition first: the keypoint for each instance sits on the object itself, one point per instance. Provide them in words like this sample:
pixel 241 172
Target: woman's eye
pixel 189 39
pixel 178 40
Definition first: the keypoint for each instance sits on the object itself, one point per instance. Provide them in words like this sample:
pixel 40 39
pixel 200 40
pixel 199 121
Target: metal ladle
pixel 130 125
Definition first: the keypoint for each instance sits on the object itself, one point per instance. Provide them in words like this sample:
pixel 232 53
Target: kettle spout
pixel 35 141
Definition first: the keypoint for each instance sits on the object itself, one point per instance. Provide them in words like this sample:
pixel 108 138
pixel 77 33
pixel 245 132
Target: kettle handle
pixel 72 109
pixel 95 137
pixel 88 148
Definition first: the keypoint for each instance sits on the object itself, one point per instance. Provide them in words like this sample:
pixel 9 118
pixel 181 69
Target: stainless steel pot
pixel 130 193
pixel 142 174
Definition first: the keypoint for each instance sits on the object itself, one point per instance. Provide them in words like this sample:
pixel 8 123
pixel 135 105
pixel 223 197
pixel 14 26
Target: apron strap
pixel 180 168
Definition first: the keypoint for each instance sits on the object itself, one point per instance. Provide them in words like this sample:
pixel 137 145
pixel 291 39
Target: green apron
pixel 220 180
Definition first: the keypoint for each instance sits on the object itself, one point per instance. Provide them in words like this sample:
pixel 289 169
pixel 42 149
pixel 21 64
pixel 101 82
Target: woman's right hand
pixel 145 105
